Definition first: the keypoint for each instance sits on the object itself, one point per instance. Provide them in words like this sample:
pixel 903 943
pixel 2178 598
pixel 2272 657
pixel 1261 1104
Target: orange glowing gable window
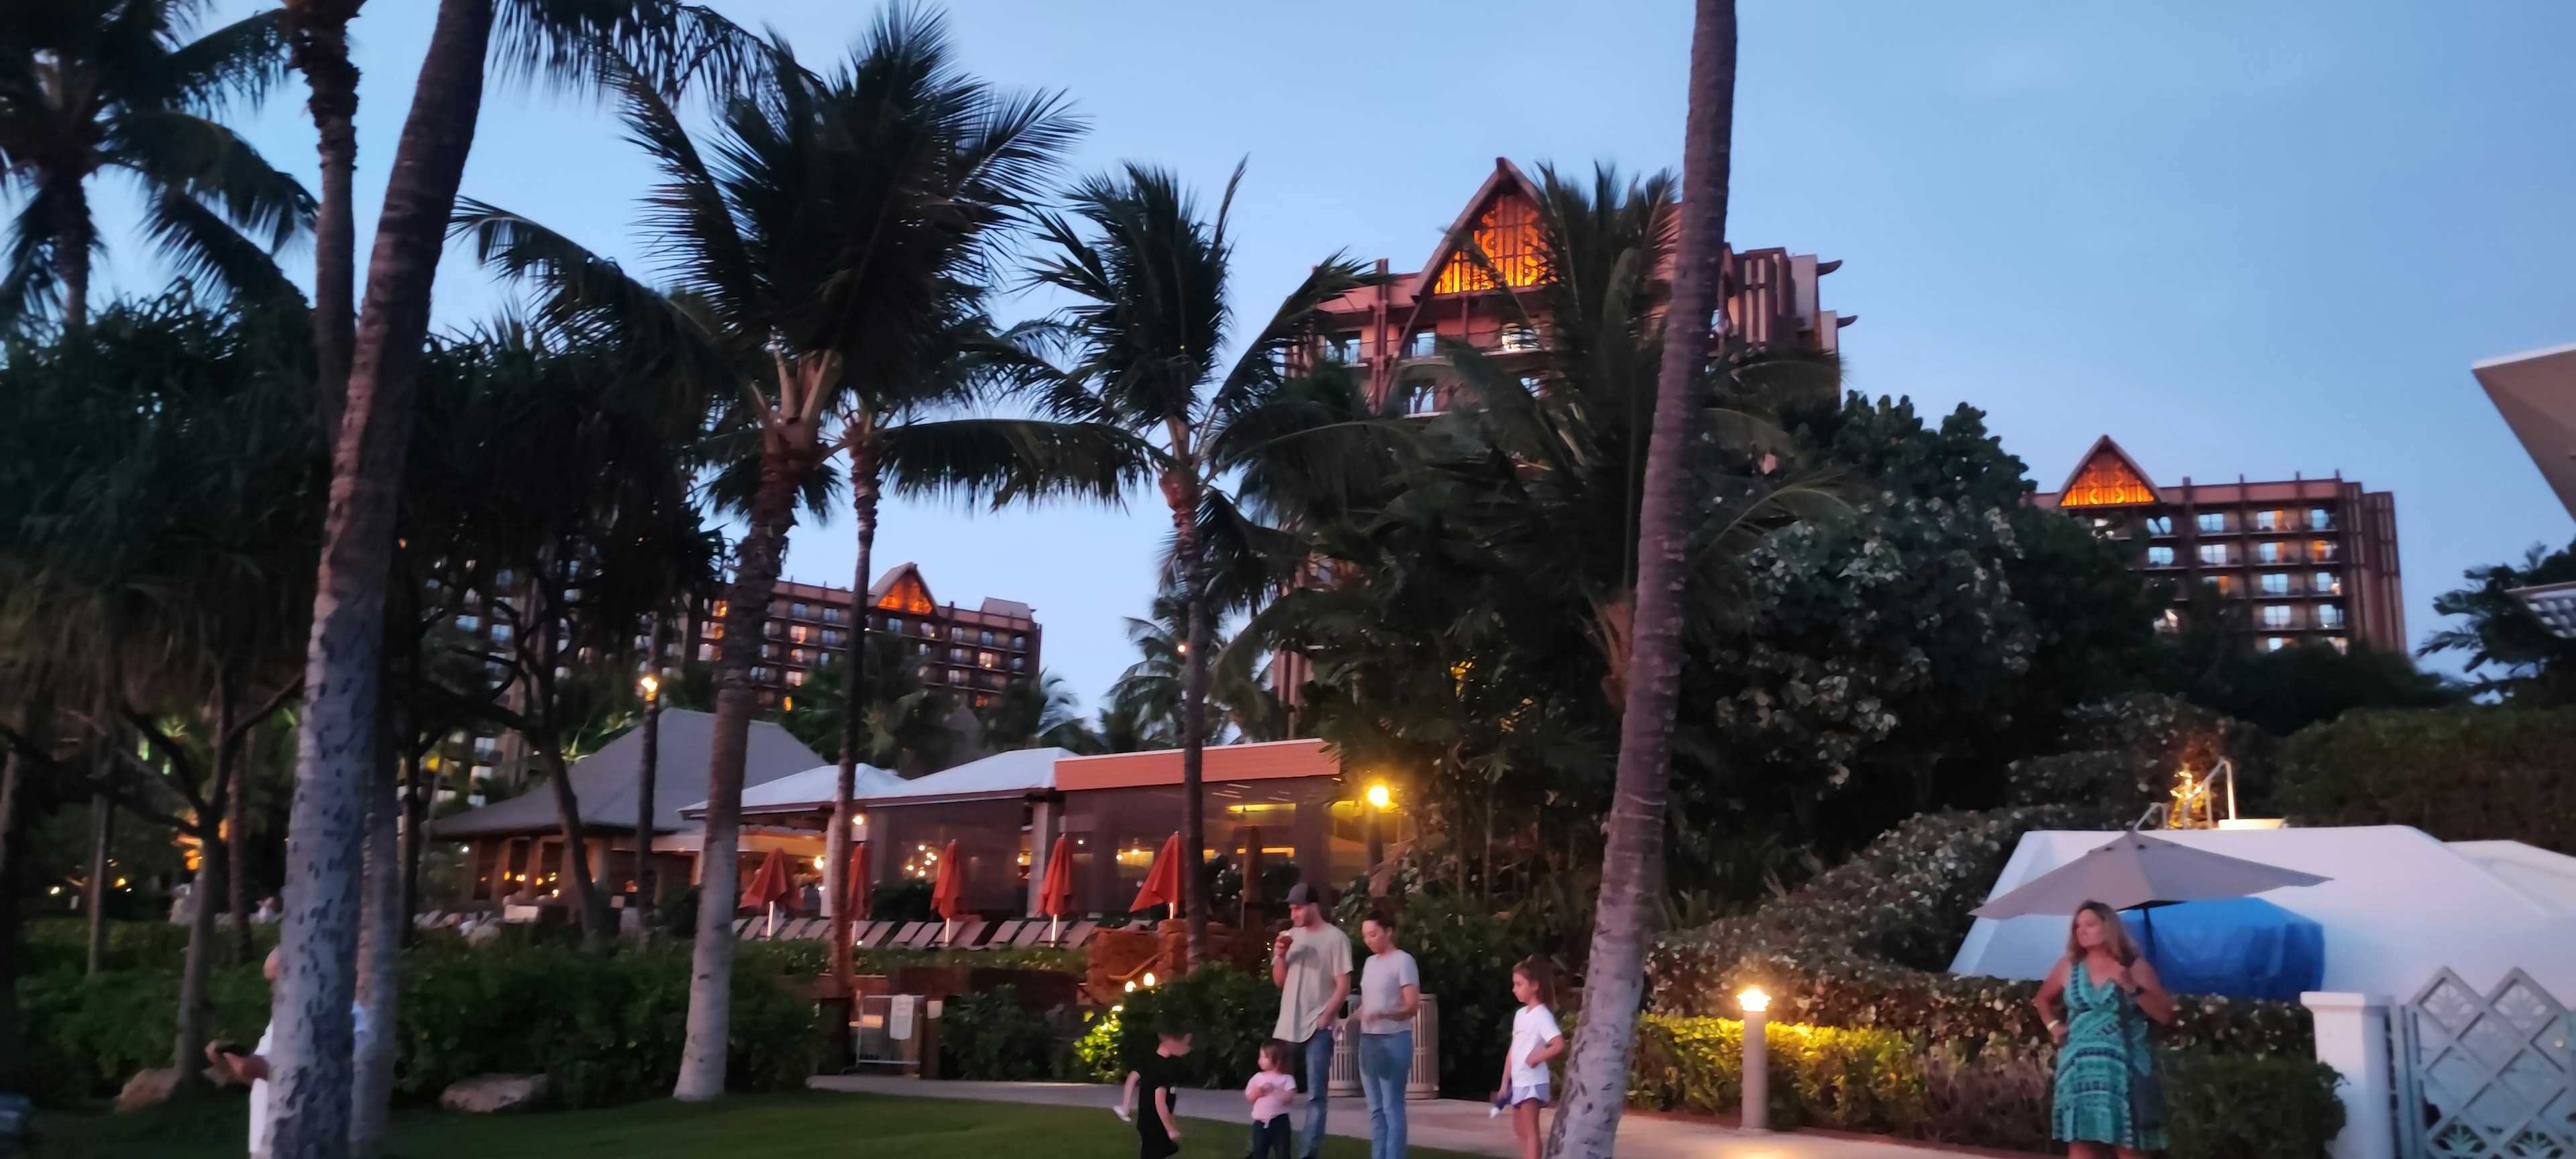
pixel 907 596
pixel 2107 482
pixel 1508 233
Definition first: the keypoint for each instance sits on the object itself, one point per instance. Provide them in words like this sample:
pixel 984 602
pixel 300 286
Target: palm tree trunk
pixel 1183 493
pixel 379 960
pixel 73 235
pixel 320 29
pixel 588 904
pixel 415 810
pixel 185 1056
pixel 864 487
pixel 336 750
pixel 102 830
pixel 763 546
pixel 35 725
pixel 1628 908
pixel 645 791
pixel 237 856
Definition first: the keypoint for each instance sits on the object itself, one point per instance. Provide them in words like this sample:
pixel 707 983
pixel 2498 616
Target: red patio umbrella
pixel 1163 878
pixel 948 893
pixel 772 885
pixel 1055 891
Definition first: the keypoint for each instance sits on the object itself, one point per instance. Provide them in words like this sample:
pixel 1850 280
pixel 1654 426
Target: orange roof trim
pixel 1268 761
pixel 2108 477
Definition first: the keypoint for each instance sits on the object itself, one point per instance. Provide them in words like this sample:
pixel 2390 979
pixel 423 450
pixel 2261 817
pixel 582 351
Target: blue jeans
pixel 1319 1077
pixel 1386 1062
pixel 1270 1139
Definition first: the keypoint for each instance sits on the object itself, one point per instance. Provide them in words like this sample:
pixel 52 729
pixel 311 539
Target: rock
pixel 485 1093
pixel 147 1088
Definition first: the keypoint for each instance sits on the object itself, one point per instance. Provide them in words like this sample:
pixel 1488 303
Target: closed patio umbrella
pixel 948 893
pixel 1055 891
pixel 772 885
pixel 2134 870
pixel 856 903
pixel 1162 879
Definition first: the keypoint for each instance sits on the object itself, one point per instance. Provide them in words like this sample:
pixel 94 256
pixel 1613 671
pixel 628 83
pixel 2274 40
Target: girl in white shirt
pixel 1535 1040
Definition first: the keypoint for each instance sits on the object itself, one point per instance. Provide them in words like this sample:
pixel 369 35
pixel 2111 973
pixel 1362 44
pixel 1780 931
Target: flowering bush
pixel 1821 1076
pixel 1864 944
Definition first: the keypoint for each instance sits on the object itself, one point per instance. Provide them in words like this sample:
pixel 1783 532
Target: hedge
pixel 2224 1106
pixel 2471 773
pixel 1228 1014
pixel 602 1028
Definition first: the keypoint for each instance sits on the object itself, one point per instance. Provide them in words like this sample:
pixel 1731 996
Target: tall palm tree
pixel 336 749
pixel 1153 314
pixel 93 86
pixel 843 223
pixel 1625 918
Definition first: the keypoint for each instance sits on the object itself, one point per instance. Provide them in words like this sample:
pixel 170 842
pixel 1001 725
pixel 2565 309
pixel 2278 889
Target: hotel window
pixel 706 651
pixel 2329 615
pixel 1517 337
pixel 486 747
pixel 2271 552
pixel 987 639
pixel 957 676
pixel 797 633
pixel 714 632
pixel 988 659
pixel 2160 525
pixel 957 635
pixel 2323 551
pixel 2276 615
pixel 2212 522
pixel 769 651
pixel 2220 584
pixel 1020 642
pixel 929 630
pixel 773 629
pixel 2269 520
pixel 831 614
pixel 2276 583
pixel 2327 583
pixel 1508 235
pixel 957 654
pixel 467 623
pixel 500 633
pixel 799 656
pixel 2320 519
pixel 2340 644
pixel 1344 348
pixel 895 625
pixel 759 672
pixel 831 637
pixel 2213 553
pixel 2275 643
pixel 1018 663
pixel 800 611
pixel 1421 344
pixel 2170 621
pixel 795 678
pixel 2160 557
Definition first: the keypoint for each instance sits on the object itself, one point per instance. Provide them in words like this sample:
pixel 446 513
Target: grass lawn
pixel 805 1125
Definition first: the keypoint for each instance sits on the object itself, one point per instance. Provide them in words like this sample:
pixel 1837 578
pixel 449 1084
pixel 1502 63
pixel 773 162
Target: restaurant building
pixel 2290 561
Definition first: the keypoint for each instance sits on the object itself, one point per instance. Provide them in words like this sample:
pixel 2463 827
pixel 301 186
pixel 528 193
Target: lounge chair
pixel 741 928
pixel 1080 933
pixel 1001 933
pixel 1032 934
pixel 903 936
pixel 922 938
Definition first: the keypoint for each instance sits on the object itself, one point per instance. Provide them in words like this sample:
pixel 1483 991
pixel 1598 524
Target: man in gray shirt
pixel 1311 965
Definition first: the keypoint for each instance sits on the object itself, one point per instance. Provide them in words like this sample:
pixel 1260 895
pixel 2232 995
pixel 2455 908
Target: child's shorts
pixel 1528 1093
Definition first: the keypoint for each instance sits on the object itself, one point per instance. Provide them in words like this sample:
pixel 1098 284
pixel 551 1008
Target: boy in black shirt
pixel 1158 1126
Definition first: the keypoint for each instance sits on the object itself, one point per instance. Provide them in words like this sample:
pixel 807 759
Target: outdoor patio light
pixel 1753 1000
pixel 1378 797
pixel 650 685
pixel 1757 1058
pixel 1149 979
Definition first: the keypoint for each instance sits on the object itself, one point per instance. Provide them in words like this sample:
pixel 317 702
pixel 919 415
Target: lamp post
pixel 1757 1058
pixel 644 808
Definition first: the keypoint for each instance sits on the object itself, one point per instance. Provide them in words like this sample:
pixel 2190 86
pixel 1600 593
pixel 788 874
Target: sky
pixel 2239 239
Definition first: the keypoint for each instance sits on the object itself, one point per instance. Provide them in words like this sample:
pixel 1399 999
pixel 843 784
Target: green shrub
pixel 62 943
pixel 991 1036
pixel 1228 1014
pixel 1849 1080
pixel 86 1036
pixel 2472 773
pixel 2224 1106
pixel 1465 958
pixel 602 1028
pixel 2236 1106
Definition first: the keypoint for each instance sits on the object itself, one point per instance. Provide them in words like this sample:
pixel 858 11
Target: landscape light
pixel 1149 979
pixel 1753 1000
pixel 1378 797
pixel 651 685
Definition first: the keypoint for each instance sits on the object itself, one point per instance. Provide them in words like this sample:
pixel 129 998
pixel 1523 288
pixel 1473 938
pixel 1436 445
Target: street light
pixel 1379 800
pixel 649 759
pixel 1757 1058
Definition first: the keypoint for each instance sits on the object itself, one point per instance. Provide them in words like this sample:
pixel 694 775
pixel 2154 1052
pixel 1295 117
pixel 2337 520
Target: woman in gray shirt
pixel 1390 995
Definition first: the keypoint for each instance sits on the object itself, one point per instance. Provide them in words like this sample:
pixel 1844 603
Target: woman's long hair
pixel 2115 934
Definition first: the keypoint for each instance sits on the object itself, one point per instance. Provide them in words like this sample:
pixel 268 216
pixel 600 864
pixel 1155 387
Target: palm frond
pixel 1012 460
pixel 208 250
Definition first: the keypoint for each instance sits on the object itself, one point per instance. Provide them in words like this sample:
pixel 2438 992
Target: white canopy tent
pixel 2400 905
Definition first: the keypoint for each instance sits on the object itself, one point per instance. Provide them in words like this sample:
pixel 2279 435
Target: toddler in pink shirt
pixel 1271 1092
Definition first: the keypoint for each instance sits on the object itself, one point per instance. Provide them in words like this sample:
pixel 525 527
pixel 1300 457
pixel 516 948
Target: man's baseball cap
pixel 1303 894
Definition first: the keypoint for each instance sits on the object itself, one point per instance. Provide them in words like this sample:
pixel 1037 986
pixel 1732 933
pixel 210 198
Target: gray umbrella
pixel 2133 870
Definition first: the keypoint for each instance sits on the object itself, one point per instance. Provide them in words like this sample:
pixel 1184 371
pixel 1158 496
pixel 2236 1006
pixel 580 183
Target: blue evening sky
pixel 2256 239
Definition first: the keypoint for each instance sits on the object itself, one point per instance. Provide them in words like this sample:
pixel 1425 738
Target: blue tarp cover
pixel 2241 947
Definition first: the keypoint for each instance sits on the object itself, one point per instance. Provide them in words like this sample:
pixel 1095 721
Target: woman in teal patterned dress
pixel 2098 1002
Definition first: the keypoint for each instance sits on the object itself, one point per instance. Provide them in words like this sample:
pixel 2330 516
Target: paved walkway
pixel 1453 1124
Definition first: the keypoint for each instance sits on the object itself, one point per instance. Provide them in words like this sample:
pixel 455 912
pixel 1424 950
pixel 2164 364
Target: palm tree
pixel 904 723
pixel 1154 687
pixel 1039 712
pixel 336 747
pixel 841 227
pixel 1624 920
pixel 93 86
pixel 1153 313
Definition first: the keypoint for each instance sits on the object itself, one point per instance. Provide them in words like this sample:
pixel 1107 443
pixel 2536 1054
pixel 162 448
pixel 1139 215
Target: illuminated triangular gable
pixel 2107 477
pixel 1502 218
pixel 902 590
